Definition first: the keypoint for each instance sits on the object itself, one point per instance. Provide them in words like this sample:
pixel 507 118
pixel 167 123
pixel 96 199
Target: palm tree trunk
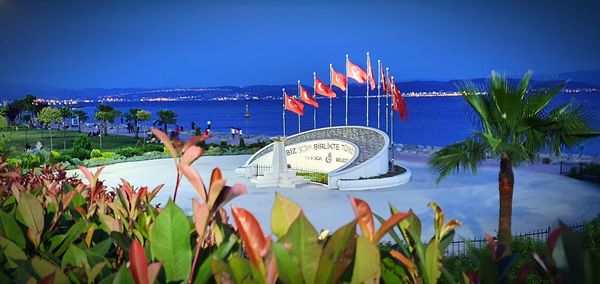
pixel 165 128
pixel 506 182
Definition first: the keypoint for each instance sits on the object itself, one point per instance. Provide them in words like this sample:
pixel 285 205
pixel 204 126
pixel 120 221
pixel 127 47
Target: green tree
pixel 105 114
pixel 514 124
pixel 166 117
pixel 82 117
pixel 131 116
pixel 13 110
pixel 142 115
pixel 3 123
pixel 47 116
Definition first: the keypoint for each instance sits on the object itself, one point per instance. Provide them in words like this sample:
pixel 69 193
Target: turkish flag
pixel 370 73
pixel 398 102
pixel 338 79
pixel 355 72
pixel 293 105
pixel 306 97
pixel 383 81
pixel 322 89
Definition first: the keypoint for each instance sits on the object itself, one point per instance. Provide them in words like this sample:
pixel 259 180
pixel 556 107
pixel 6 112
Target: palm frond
pixel 464 155
pixel 568 127
pixel 538 98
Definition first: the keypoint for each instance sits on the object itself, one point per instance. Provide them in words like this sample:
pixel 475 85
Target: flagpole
pixel 330 99
pixel 315 97
pixel 300 97
pixel 347 89
pixel 387 96
pixel 368 60
pixel 378 93
pixel 392 126
pixel 283 91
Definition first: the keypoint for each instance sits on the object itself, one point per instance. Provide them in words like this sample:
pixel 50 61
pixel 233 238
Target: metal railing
pixel 460 246
pixel 260 170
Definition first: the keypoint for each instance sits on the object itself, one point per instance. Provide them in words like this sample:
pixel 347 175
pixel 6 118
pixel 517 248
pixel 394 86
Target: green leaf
pixel 12 252
pixel 44 268
pixel 72 234
pixel 366 262
pixel 170 242
pixel 11 229
pixel 102 247
pixel 305 245
pixel 221 271
pixel 31 212
pixel 432 263
pixel 243 271
pixel 337 254
pixel 204 273
pixel 93 273
pixel 123 276
pixel 75 257
pixel 283 214
pixel 288 265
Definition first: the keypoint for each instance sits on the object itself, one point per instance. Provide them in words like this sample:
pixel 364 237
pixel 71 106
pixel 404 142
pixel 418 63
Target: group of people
pixel 38 146
pixel 198 130
pixel 94 134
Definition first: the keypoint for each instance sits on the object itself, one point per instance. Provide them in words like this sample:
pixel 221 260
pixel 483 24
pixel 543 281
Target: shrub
pixel 214 150
pixel 108 155
pixel 79 153
pixel 64 157
pixel 223 143
pixel 14 162
pixel 30 161
pixel 130 151
pixel 242 143
pixel 82 142
pixel 315 177
pixel 589 172
pixel 152 148
pixel 54 157
pixel 96 153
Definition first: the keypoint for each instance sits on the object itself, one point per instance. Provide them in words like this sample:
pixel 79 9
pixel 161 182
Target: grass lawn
pixel 19 138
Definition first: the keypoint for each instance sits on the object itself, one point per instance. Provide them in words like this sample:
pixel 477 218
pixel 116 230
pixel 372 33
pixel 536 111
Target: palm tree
pixel 106 114
pixel 166 117
pixel 131 116
pixel 514 124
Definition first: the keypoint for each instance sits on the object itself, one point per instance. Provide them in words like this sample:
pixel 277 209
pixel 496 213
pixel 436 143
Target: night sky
pixel 118 43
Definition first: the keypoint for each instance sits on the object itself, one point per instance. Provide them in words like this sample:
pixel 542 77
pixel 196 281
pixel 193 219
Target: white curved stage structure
pixel 353 157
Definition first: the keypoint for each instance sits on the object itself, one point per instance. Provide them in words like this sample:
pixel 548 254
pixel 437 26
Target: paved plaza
pixel 539 199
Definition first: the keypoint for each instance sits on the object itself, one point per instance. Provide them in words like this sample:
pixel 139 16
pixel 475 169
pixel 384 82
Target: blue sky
pixel 117 43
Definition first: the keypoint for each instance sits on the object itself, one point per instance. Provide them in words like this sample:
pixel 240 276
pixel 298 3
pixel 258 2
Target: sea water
pixel 434 121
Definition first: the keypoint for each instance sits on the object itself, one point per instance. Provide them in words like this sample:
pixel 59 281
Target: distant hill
pixel 10 92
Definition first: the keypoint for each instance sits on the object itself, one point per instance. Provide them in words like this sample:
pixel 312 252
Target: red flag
pixel 306 97
pixel 398 102
pixel 355 72
pixel 337 79
pixel 324 90
pixel 293 105
pixel 383 80
pixel 370 73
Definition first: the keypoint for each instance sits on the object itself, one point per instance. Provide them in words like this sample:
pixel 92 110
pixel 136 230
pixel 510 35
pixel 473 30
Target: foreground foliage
pixel 58 229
